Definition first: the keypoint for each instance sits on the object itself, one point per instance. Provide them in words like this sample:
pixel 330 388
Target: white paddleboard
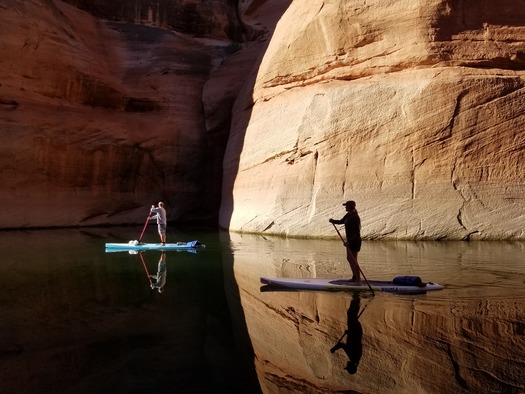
pixel 334 284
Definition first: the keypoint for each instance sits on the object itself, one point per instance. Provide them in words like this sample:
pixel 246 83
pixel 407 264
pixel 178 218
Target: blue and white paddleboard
pixel 138 246
pixel 334 284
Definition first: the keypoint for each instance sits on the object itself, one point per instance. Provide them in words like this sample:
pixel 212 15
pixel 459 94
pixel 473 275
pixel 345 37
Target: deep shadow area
pixel 485 17
pixel 242 119
pixel 77 319
pixel 474 14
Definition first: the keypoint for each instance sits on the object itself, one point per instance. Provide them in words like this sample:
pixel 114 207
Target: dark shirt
pixel 352 224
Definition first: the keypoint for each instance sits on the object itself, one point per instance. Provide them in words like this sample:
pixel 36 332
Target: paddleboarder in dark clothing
pixel 352 224
pixel 354 337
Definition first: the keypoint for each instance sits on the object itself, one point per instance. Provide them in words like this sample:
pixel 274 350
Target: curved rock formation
pixel 414 113
pixel 100 119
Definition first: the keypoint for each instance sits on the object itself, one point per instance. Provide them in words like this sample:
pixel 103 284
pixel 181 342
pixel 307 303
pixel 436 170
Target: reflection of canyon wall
pixel 414 112
pixel 411 344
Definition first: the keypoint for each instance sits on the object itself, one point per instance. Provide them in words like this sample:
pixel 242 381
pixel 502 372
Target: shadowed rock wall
pixel 199 17
pixel 102 118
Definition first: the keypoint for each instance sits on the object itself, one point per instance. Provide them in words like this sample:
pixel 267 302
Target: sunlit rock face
pixel 101 117
pixel 412 109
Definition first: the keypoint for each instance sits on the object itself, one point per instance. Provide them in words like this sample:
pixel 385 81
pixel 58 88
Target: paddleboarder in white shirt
pixel 160 215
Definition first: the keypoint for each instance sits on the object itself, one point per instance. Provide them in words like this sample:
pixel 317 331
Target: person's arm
pixel 153 213
pixel 340 221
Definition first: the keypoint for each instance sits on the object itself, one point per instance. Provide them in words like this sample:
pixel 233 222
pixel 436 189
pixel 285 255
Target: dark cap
pixel 350 204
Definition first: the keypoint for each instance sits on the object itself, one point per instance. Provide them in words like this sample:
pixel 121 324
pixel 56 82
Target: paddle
pixel 360 270
pixel 145 225
pixel 145 269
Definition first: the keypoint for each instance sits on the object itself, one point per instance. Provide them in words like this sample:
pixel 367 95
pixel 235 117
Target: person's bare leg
pixel 354 253
pixel 354 266
pixel 358 270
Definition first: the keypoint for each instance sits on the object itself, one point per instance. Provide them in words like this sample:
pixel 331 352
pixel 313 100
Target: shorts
pixel 354 245
pixel 162 228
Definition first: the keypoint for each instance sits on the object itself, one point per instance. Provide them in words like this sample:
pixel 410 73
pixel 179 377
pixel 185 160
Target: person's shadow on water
pixel 354 336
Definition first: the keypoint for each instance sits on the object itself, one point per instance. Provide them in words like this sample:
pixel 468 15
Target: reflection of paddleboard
pixel 333 284
pixel 134 245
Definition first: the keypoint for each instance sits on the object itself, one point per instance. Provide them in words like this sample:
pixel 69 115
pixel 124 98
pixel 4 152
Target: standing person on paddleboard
pixel 352 224
pixel 160 215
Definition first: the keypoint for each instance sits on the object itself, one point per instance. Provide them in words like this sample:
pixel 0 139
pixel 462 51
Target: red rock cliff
pixel 102 117
pixel 412 109
pixel 414 112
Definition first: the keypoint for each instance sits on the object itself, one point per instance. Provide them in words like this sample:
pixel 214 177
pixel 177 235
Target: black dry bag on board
pixel 408 281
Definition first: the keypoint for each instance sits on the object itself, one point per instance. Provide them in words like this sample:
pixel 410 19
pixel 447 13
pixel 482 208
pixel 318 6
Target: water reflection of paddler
pixel 354 336
pixel 160 278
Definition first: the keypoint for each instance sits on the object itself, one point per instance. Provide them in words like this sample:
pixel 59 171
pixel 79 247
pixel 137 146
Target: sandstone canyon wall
pixel 412 109
pixel 102 117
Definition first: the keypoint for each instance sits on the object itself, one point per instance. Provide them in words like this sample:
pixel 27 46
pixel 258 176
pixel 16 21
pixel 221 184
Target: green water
pixel 74 318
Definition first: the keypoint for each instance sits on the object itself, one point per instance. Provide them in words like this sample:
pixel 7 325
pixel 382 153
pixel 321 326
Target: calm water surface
pixel 74 319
